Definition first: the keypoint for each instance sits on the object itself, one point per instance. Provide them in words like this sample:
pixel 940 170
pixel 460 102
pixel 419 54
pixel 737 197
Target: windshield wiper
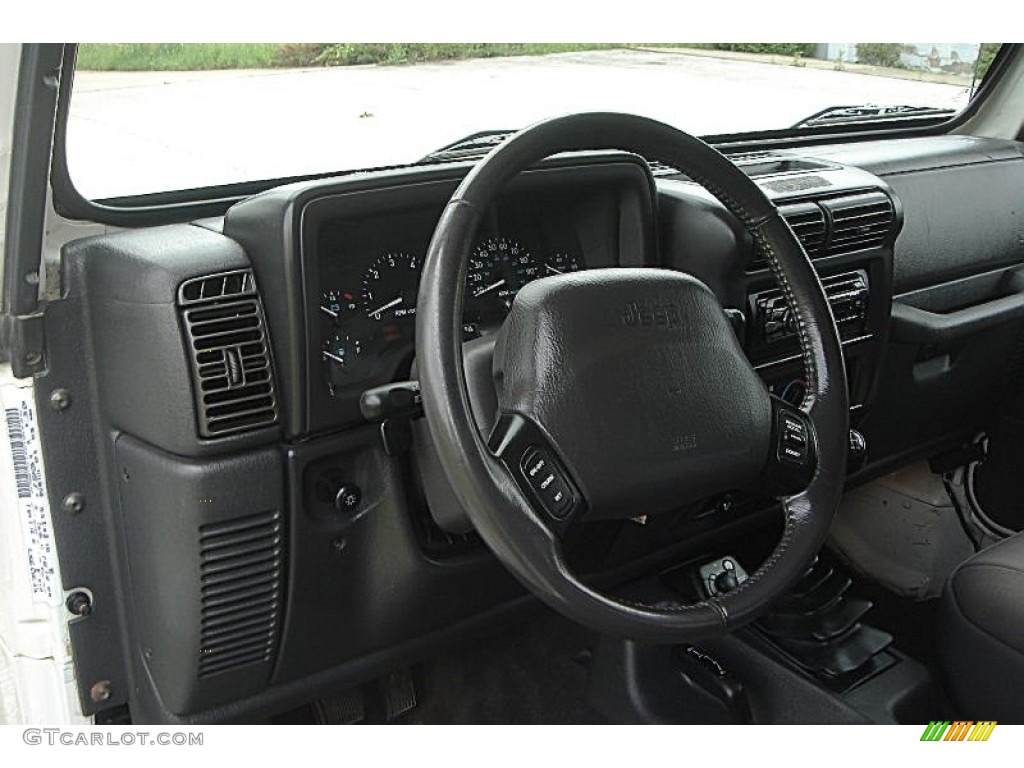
pixel 471 147
pixel 872 113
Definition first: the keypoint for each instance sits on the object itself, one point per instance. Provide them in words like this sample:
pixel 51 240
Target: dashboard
pixel 303 298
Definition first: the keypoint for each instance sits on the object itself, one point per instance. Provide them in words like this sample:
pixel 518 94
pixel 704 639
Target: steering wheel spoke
pixel 538 472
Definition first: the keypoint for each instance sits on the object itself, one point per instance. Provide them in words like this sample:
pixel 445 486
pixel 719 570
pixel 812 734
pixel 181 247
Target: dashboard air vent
pixel 225 331
pixel 859 221
pixel 237 283
pixel 741 158
pixel 241 573
pixel 807 221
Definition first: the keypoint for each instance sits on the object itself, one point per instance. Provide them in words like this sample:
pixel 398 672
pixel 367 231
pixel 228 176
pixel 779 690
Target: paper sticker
pixel 26 459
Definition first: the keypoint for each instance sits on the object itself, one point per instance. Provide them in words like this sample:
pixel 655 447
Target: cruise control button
pixel 544 476
pixel 793 442
pixel 557 498
pixel 535 466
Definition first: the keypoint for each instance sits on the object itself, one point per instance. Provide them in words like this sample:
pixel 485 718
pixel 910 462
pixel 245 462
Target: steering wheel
pixel 625 392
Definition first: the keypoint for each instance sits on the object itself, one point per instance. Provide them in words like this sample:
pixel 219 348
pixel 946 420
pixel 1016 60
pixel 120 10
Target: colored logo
pixel 961 730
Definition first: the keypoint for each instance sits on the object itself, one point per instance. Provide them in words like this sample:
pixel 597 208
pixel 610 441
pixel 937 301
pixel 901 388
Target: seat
pixel 981 634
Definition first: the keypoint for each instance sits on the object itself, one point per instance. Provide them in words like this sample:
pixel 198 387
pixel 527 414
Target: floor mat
pixel 532 673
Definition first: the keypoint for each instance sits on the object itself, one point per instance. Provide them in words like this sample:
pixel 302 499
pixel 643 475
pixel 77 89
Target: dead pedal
pixel 399 693
pixel 345 708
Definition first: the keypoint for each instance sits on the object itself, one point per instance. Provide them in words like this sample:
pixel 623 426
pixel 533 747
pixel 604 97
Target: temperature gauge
pixel 335 305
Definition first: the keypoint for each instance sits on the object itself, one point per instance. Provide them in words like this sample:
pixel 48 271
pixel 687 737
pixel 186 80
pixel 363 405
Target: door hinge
pixel 23 343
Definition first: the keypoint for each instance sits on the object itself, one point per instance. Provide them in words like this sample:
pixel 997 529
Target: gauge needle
pixel 330 312
pixel 387 306
pixel 335 358
pixel 556 271
pixel 489 288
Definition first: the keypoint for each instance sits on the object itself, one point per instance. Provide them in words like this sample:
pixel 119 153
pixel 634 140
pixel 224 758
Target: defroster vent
pixel 226 333
pixel 241 568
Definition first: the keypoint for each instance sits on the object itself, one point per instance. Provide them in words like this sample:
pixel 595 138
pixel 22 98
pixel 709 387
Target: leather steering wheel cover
pixel 494 503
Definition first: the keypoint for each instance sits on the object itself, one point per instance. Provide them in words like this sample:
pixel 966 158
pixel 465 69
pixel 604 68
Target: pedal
pixel 399 693
pixel 345 708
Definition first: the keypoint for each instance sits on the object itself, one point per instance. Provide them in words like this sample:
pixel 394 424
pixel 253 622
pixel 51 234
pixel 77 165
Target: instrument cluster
pixel 367 318
pixel 364 250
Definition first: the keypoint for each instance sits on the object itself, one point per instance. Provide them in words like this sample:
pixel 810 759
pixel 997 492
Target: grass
pixel 177 56
pixel 198 56
pixel 335 54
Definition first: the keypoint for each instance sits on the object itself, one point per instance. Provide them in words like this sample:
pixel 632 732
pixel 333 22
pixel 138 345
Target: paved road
pixel 142 132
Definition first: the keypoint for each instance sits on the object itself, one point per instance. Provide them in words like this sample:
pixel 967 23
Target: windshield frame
pixel 185 205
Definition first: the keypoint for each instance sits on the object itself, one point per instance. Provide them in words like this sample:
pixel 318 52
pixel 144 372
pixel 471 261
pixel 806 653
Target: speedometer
pixel 498 268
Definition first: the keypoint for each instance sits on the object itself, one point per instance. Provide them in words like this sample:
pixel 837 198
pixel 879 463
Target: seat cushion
pixel 981 634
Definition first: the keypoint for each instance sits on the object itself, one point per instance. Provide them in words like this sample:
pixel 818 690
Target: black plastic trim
pixel 923 325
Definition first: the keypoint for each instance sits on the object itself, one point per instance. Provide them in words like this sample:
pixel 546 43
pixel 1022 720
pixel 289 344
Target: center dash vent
pixel 241 574
pixel 859 221
pixel 828 226
pixel 807 221
pixel 225 330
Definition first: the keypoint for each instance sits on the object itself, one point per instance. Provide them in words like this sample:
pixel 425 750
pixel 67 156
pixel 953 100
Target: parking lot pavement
pixel 136 132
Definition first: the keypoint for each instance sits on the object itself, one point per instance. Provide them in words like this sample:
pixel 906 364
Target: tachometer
pixel 498 268
pixel 390 286
pixel 559 263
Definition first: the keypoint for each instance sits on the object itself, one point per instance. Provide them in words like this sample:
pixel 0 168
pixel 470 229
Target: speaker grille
pixel 241 576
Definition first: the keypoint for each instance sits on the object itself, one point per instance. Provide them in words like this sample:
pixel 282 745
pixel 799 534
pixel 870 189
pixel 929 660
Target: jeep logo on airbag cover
pixel 642 315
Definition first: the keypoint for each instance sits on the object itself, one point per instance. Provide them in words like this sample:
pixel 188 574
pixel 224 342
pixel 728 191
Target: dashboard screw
pixel 339 544
pixel 101 691
pixel 79 603
pixel 73 503
pixel 60 399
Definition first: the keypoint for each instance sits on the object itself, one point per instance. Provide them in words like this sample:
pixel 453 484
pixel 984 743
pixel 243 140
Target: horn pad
pixel 639 382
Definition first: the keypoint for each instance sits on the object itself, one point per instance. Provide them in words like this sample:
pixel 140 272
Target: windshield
pixel 156 117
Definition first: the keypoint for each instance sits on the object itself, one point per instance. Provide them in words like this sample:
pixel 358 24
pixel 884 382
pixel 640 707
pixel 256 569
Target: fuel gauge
pixel 342 353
